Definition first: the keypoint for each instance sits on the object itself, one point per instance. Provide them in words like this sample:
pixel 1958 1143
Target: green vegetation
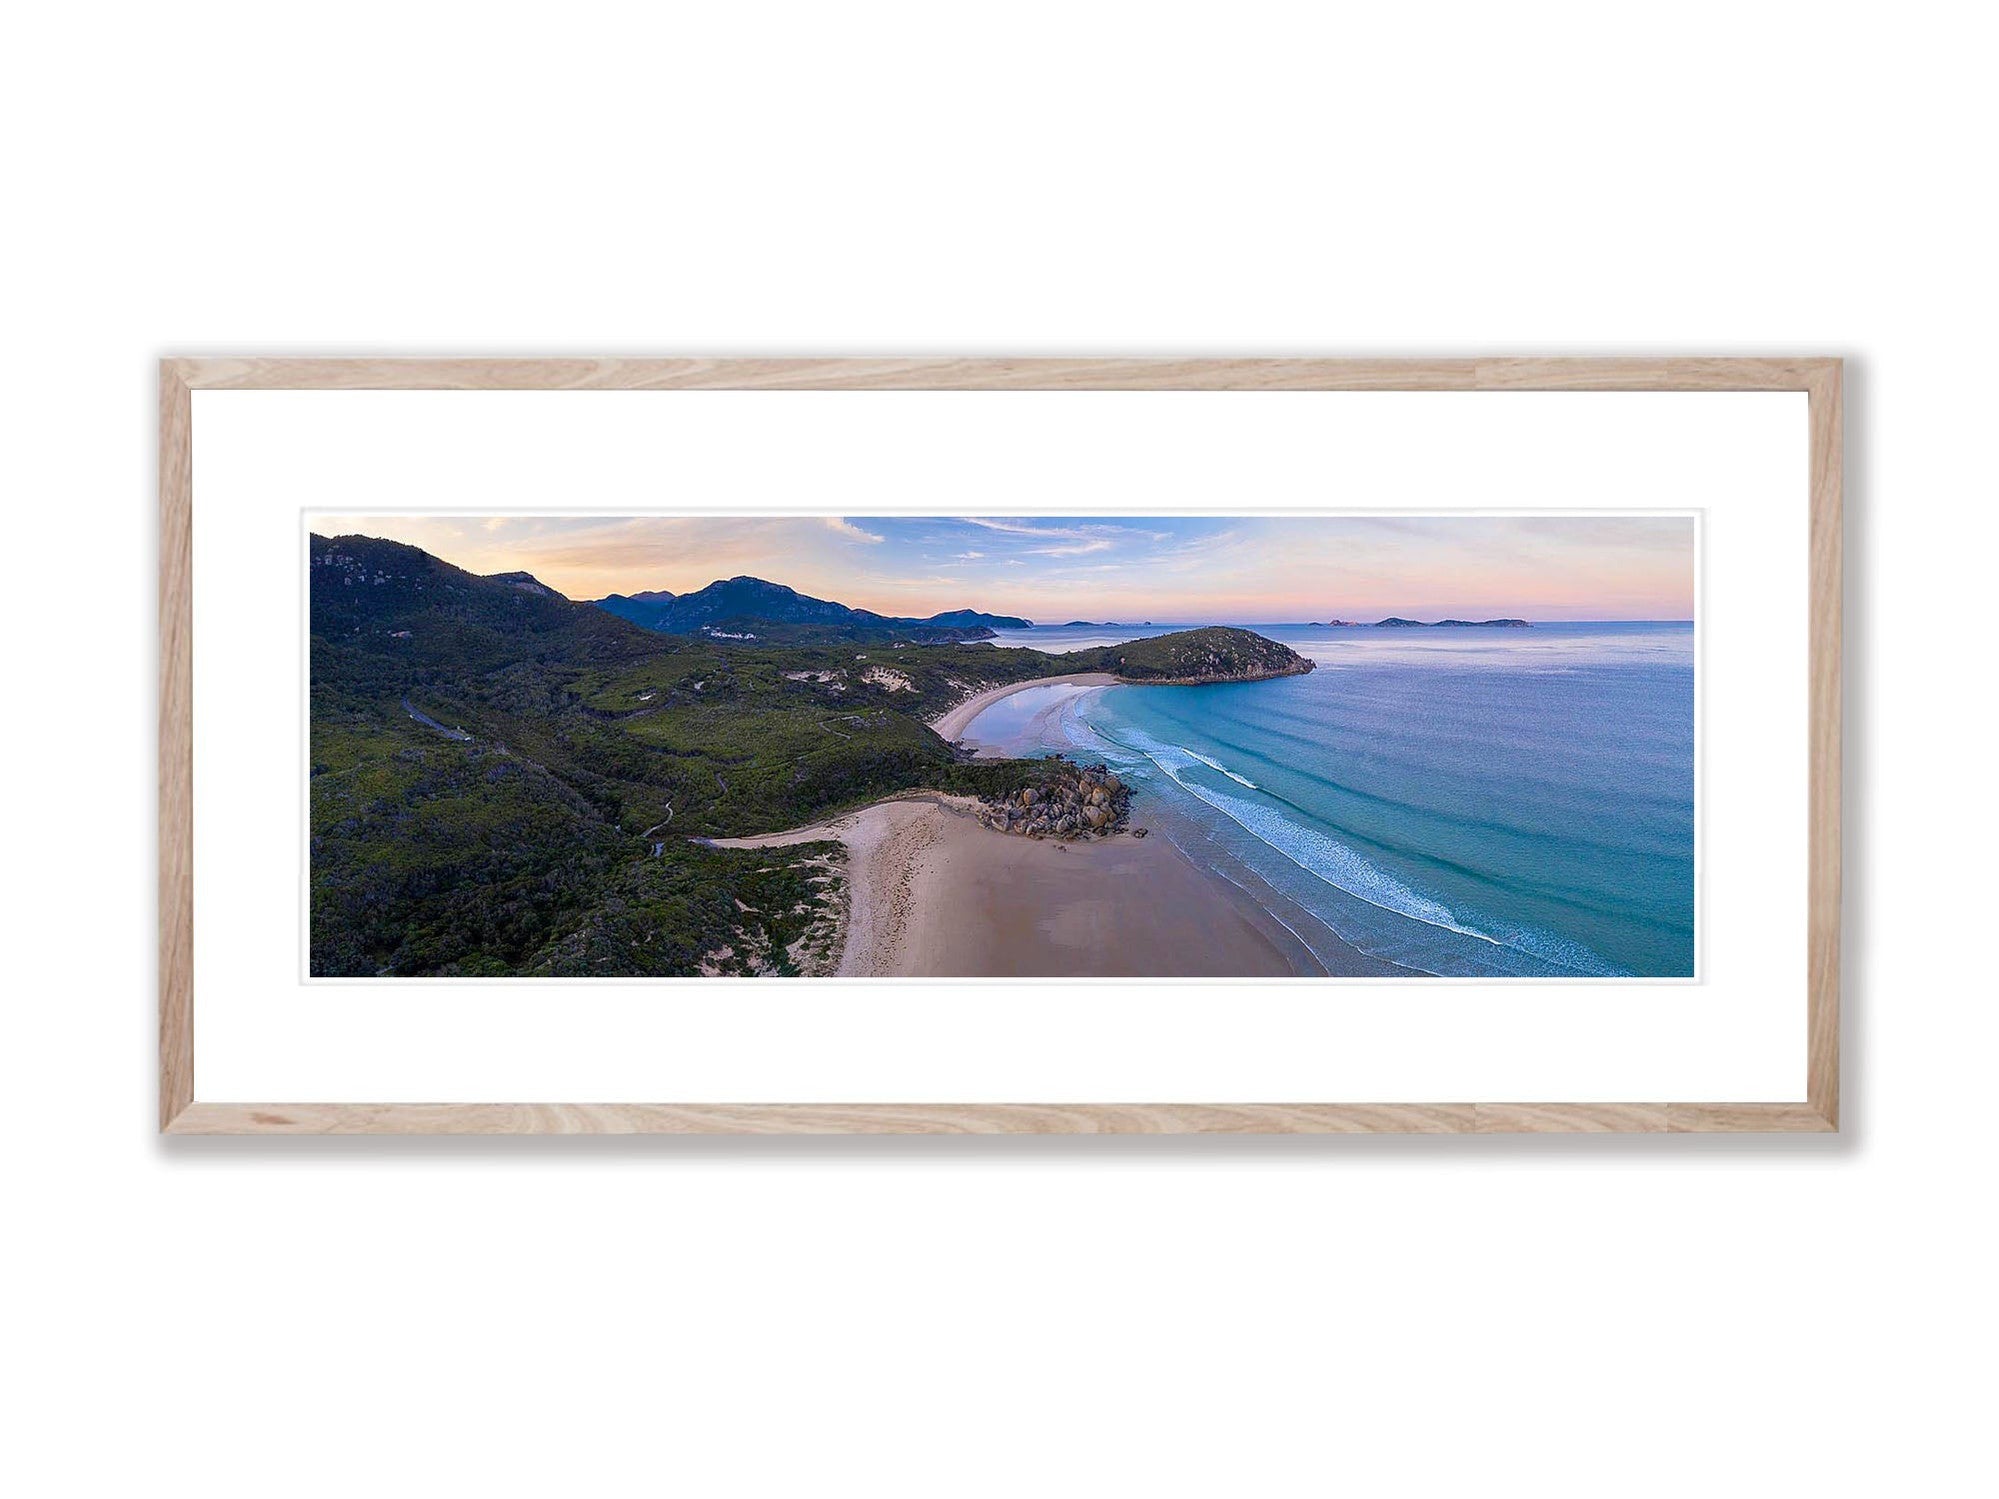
pixel 523 848
pixel 542 821
pixel 1216 653
pixel 707 910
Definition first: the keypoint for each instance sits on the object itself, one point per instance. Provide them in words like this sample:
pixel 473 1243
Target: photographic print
pixel 1457 746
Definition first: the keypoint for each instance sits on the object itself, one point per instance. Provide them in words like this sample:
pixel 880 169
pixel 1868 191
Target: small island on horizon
pixel 1396 623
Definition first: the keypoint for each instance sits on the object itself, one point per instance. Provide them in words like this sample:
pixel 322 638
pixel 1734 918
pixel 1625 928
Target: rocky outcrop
pixel 1078 801
pixel 525 582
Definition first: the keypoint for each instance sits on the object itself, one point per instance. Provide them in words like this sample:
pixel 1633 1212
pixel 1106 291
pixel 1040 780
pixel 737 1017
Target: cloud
pixel 1079 549
pixel 851 531
pixel 1079 540
pixel 1237 568
pixel 1019 528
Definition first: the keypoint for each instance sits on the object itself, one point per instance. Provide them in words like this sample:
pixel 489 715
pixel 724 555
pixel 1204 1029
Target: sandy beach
pixel 952 724
pixel 933 894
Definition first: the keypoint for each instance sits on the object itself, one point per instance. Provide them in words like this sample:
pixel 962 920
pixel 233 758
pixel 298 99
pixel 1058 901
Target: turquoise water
pixel 1463 803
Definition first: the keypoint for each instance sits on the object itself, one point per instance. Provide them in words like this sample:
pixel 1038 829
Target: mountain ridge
pixel 730 603
pixel 506 782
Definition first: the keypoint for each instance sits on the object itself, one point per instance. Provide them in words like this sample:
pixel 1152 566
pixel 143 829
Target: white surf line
pixel 1450 924
pixel 1217 765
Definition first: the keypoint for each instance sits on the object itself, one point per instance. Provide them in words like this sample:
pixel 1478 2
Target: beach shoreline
pixel 951 724
pixel 933 894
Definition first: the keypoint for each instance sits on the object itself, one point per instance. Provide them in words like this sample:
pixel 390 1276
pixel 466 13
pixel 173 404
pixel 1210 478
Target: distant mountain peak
pixel 368 591
pixel 744 599
pixel 973 618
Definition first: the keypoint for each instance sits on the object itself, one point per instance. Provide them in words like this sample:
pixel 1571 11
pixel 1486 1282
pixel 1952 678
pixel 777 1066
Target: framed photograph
pixel 990 745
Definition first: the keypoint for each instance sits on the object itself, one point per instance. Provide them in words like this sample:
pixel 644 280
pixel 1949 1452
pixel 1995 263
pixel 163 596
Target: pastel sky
pixel 1177 569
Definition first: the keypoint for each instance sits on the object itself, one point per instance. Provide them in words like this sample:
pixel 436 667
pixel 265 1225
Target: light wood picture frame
pixel 182 1111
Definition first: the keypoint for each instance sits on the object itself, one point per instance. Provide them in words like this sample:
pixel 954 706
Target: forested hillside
pixel 505 781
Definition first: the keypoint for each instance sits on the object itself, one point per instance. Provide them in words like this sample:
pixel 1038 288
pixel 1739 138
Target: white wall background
pixel 993 1317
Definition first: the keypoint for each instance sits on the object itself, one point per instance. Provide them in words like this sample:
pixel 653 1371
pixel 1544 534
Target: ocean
pixel 1460 803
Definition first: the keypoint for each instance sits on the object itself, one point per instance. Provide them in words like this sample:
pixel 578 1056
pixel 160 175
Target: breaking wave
pixel 1327 859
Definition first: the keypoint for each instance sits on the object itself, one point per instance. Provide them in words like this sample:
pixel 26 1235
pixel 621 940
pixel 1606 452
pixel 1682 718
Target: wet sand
pixel 952 725
pixel 933 894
